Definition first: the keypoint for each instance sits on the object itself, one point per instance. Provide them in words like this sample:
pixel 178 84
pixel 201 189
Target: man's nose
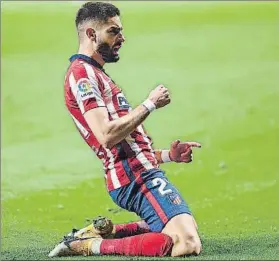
pixel 122 37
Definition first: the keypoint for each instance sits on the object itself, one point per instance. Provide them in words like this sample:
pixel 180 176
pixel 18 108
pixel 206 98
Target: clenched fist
pixel 160 96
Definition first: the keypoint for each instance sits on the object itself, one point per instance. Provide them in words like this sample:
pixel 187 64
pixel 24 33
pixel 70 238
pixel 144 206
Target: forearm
pixel 119 129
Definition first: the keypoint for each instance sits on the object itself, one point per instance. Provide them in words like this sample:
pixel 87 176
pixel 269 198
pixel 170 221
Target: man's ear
pixel 91 34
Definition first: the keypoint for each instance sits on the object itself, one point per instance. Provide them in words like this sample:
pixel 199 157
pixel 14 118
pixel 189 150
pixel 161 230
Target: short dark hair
pixel 98 11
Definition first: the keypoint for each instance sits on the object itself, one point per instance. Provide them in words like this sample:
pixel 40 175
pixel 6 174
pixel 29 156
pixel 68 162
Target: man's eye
pixel 114 31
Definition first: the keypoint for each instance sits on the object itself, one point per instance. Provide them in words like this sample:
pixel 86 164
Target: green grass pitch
pixel 220 62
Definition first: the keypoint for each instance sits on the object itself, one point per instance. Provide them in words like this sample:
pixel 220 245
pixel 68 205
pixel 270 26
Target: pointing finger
pixel 194 144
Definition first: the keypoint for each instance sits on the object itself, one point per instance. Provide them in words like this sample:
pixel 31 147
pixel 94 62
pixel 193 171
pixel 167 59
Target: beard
pixel 107 53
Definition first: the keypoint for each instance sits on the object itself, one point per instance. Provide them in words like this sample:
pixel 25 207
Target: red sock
pixel 131 229
pixel 148 244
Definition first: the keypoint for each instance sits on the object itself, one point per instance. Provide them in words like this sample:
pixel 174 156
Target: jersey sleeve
pixel 86 88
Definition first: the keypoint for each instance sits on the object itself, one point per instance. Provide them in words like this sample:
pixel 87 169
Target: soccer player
pixel 114 131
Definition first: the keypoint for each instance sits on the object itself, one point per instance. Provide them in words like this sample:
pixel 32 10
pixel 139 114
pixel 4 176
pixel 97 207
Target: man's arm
pixel 109 133
pixel 179 152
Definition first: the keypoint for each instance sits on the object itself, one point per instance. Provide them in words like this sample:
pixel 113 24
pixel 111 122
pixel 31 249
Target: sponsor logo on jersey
pixel 122 101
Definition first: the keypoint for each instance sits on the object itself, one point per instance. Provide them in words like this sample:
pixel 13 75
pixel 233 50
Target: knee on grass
pixel 186 245
pixel 193 245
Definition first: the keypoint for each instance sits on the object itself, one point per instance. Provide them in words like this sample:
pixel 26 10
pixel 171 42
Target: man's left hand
pixel 182 151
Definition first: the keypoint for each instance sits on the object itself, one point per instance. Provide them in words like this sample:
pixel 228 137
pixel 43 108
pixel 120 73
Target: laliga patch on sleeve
pixel 85 89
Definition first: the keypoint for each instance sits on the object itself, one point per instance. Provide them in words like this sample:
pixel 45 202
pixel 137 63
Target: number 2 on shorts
pixel 163 184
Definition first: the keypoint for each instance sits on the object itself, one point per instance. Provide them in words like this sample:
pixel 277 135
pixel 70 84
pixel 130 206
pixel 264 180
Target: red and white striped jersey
pixel 86 87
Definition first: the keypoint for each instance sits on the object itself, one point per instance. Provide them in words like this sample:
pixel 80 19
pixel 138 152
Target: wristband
pixel 165 156
pixel 149 105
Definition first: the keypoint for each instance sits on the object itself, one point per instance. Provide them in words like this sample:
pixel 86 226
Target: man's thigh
pixel 159 201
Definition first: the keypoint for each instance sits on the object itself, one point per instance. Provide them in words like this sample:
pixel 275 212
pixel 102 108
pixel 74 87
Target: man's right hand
pixel 160 96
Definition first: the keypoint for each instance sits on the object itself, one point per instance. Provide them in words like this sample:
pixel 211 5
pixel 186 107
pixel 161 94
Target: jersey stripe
pixel 140 155
pixel 155 204
pixel 92 77
pixel 84 131
pixel 110 105
pixel 141 130
pixel 113 175
pixel 114 178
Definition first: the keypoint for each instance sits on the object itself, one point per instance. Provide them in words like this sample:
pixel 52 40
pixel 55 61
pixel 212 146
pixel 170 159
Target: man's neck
pixel 93 54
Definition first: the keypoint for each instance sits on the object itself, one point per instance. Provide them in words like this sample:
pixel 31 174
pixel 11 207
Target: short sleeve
pixel 86 88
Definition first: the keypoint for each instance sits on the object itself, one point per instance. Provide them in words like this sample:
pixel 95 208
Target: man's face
pixel 109 39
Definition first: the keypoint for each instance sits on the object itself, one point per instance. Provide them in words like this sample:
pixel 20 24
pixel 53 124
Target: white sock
pixel 96 246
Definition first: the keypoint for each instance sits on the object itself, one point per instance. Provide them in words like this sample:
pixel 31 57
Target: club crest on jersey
pixel 175 199
pixel 122 101
pixel 85 88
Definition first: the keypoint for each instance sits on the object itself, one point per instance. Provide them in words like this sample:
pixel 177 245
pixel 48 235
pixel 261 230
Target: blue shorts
pixel 153 198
